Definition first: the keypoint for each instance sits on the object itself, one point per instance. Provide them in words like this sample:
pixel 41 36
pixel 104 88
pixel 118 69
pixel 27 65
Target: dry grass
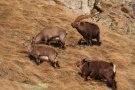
pixel 22 19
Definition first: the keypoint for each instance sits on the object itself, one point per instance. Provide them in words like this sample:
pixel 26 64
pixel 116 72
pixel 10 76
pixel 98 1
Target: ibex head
pixel 80 63
pixel 27 43
pixel 76 23
pixel 33 40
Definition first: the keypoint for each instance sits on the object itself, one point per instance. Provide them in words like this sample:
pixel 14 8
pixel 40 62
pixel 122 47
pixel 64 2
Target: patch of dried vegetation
pixel 22 19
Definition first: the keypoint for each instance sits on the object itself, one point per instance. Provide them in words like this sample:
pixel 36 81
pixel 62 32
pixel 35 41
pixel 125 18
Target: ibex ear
pixel 32 38
pixel 78 23
pixel 81 23
pixel 84 60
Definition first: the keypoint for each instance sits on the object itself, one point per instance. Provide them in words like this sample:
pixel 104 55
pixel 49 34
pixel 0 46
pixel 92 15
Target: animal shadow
pixel 52 43
pixel 83 42
pixel 95 79
pixel 81 74
pixel 34 60
pixel 55 44
pixel 41 61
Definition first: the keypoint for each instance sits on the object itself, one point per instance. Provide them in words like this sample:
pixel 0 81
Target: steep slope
pixel 22 19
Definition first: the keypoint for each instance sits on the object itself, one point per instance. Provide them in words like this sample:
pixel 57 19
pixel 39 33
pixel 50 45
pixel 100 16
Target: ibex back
pixel 49 34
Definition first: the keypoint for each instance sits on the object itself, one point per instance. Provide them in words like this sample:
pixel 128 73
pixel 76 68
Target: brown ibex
pixel 98 70
pixel 99 8
pixel 45 52
pixel 88 30
pixel 100 1
pixel 96 2
pixel 49 34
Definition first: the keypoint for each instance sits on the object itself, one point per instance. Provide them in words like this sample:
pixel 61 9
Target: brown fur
pixel 49 34
pixel 96 2
pixel 88 30
pixel 39 51
pixel 98 70
pixel 100 1
pixel 95 6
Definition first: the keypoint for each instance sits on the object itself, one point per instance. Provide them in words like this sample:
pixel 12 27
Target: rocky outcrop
pixel 117 15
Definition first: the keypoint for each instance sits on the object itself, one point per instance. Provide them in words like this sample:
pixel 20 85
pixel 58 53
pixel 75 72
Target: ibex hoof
pixel 58 67
pixel 37 63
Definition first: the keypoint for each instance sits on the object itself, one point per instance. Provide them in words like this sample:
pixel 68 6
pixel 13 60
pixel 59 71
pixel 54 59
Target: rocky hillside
pixel 22 19
pixel 116 15
pixel 76 7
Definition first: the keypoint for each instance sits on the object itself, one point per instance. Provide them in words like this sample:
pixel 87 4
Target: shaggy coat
pixel 98 70
pixel 49 34
pixel 88 30
pixel 44 52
